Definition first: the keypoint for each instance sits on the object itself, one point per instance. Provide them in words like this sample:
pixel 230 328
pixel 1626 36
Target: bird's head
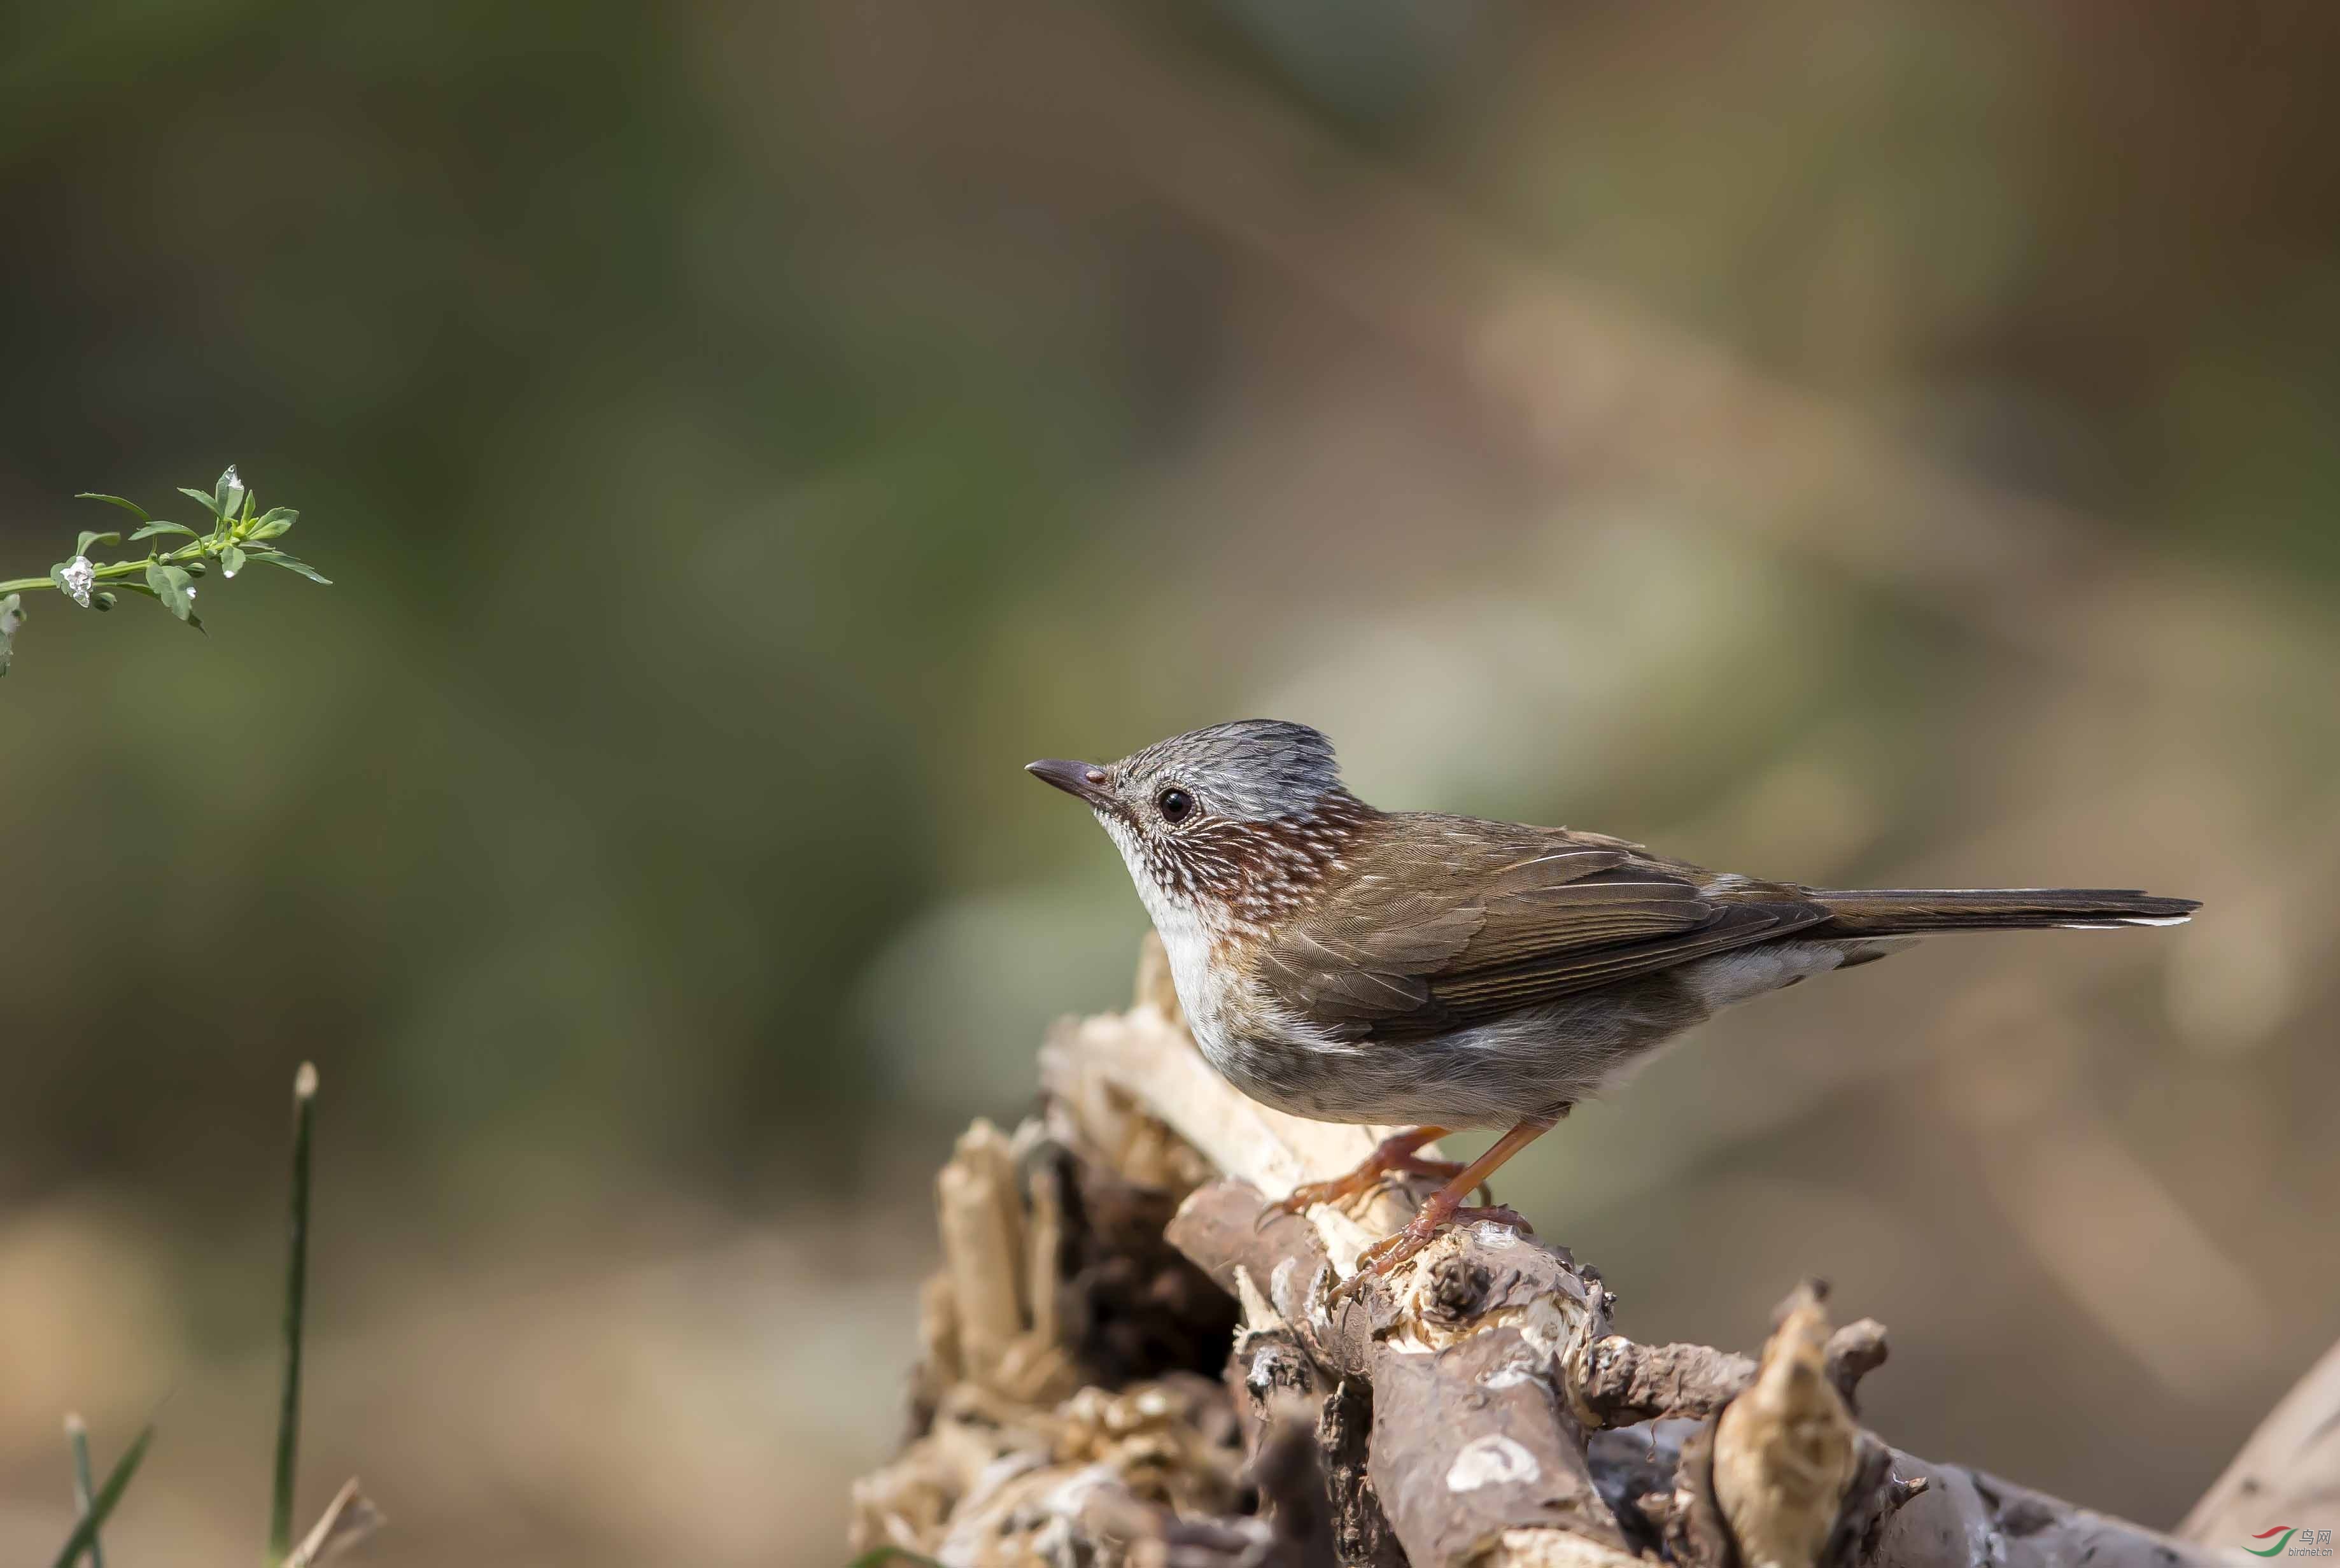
pixel 1237 822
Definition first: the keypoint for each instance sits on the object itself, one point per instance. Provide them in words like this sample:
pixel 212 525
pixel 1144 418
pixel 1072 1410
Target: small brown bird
pixel 1350 964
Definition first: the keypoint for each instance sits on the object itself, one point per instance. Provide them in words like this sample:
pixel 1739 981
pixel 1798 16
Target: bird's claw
pixel 1359 1183
pixel 1340 1190
pixel 1393 1161
pixel 1382 1258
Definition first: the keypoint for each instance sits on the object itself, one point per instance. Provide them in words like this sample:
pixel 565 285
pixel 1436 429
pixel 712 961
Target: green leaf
pixel 89 536
pixel 229 493
pixel 117 1481
pixel 129 506
pixel 210 502
pixel 12 616
pixel 291 563
pixel 173 587
pixel 152 528
pixel 276 519
pixel 231 560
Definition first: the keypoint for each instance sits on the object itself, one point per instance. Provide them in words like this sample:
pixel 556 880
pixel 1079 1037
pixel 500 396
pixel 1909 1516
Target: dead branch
pixel 1131 1357
pixel 2289 1469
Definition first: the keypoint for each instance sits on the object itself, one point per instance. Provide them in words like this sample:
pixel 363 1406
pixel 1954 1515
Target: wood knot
pixel 1458 1288
pixel 1276 1368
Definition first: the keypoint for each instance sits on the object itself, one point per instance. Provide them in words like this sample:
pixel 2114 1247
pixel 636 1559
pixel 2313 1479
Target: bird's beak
pixel 1085 779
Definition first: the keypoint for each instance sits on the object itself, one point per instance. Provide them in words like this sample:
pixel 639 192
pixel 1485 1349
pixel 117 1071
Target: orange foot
pixel 1396 1155
pixel 1385 1254
pixel 1445 1205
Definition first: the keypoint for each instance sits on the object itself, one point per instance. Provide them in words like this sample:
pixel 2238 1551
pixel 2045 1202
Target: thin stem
pixel 296 1286
pixel 203 549
pixel 84 1492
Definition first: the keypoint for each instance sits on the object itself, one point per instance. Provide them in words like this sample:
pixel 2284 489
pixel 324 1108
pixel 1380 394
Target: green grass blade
pixel 878 1556
pixel 296 1290
pixel 117 1482
pixel 77 1439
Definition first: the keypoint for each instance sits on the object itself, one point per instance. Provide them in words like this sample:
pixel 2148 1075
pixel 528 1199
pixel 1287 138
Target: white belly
pixel 1269 1054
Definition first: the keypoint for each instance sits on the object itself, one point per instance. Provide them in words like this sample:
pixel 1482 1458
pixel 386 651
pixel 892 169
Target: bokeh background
pixel 1856 441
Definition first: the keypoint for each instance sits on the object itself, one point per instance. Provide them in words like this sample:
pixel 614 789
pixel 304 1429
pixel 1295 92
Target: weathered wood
pixel 1786 1451
pixel 2288 1470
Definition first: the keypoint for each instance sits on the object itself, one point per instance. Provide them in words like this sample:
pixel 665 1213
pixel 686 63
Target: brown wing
pixel 1450 921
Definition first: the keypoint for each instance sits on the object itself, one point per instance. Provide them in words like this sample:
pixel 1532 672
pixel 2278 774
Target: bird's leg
pixel 1445 1206
pixel 1394 1155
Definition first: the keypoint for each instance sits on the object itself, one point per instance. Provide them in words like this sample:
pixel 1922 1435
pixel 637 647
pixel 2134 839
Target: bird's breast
pixel 1188 944
pixel 1265 1049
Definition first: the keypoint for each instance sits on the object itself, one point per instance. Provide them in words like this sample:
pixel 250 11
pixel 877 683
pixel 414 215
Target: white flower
pixel 76 578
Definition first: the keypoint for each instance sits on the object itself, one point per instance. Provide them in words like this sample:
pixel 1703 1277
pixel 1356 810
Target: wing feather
pixel 1441 929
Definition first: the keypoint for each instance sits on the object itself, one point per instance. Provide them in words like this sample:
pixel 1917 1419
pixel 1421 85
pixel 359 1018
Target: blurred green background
pixel 1856 441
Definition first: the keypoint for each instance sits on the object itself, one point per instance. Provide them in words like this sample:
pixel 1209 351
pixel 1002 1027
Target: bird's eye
pixel 1177 805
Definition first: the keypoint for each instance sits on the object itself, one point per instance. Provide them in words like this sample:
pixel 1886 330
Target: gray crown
pixel 1255 769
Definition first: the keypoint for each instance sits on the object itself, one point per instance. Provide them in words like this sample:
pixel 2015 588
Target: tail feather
pixel 1888 912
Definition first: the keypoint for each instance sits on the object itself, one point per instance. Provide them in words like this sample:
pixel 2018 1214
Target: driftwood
pixel 1129 1356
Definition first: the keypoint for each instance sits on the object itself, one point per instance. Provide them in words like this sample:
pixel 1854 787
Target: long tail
pixel 1892 912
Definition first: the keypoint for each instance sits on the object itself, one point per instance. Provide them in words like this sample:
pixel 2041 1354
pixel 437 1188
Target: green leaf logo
pixel 2282 1533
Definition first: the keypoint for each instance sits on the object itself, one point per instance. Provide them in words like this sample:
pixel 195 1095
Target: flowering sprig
pixel 239 533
